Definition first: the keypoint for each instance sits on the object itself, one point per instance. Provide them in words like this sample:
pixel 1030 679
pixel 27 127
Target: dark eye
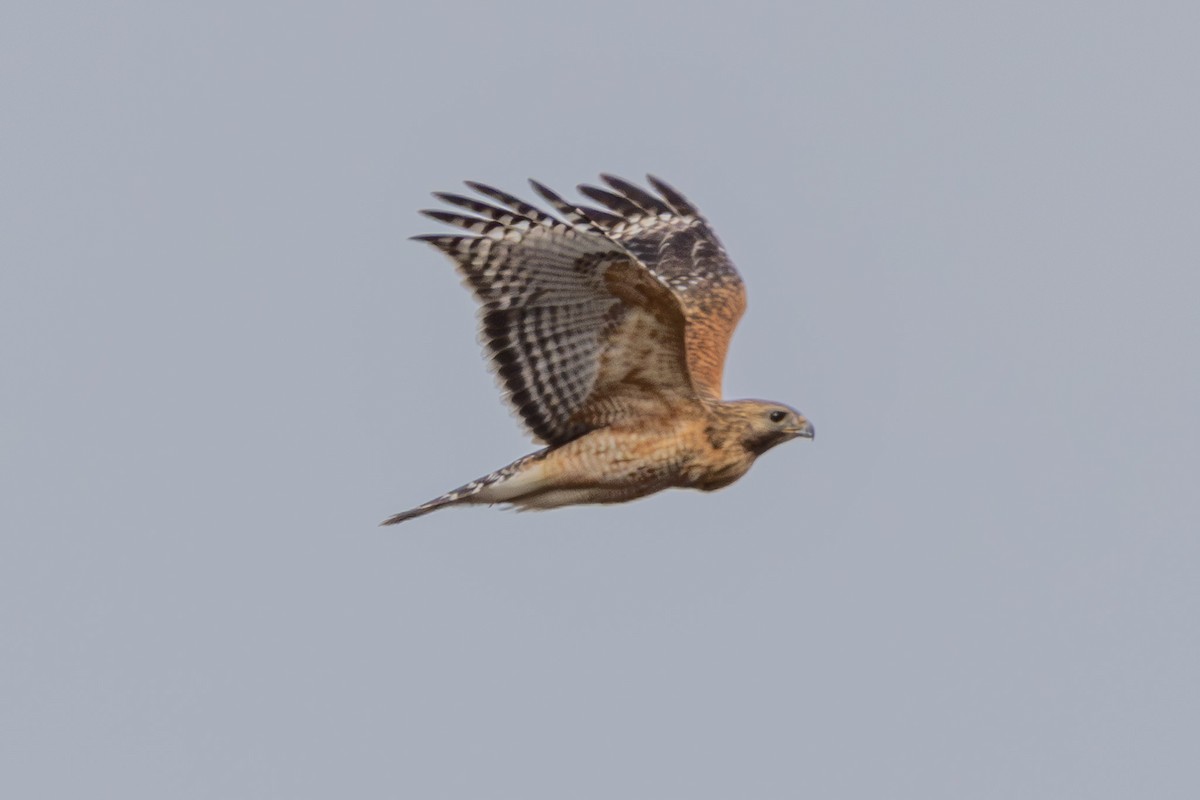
pixel 777 416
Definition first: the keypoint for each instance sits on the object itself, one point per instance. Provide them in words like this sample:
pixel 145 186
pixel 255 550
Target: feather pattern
pixel 607 328
pixel 671 238
pixel 599 317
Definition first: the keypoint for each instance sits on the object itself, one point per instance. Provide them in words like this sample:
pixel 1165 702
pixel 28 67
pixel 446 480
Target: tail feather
pixel 461 494
pixel 419 511
pixel 467 493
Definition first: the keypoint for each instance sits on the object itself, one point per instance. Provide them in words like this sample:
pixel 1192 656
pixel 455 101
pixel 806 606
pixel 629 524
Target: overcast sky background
pixel 970 238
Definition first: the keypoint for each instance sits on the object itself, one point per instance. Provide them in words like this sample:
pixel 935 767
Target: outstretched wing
pixel 667 234
pixel 580 334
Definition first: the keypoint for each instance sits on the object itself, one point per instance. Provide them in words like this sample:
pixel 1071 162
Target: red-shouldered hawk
pixel 607 331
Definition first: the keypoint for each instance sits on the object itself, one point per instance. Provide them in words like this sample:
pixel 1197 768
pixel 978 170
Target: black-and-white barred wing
pixel 667 234
pixel 549 310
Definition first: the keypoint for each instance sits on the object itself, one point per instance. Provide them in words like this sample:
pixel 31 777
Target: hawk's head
pixel 762 424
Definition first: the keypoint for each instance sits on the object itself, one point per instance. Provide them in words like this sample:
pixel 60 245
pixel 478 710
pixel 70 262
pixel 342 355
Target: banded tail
pixel 504 485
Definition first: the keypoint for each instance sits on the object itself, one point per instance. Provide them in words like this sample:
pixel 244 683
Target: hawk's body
pixel 608 332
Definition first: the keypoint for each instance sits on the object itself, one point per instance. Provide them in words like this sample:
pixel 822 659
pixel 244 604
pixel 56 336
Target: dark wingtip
pixel 658 183
pixel 640 197
pixel 673 197
pixel 443 242
pixel 482 188
pixel 545 191
pixel 621 204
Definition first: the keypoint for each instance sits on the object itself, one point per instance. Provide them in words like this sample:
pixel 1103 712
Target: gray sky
pixel 969 234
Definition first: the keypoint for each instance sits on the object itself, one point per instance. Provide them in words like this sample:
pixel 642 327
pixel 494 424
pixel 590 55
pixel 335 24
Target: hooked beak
pixel 805 429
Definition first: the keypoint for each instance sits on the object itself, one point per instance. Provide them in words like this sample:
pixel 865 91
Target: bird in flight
pixel 607 330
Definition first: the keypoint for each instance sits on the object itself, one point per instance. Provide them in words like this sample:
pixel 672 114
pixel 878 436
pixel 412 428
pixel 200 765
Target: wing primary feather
pixel 622 205
pixel 677 201
pixel 501 215
pixel 601 219
pixel 473 224
pixel 640 197
pixel 571 213
pixel 515 203
pixel 448 244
